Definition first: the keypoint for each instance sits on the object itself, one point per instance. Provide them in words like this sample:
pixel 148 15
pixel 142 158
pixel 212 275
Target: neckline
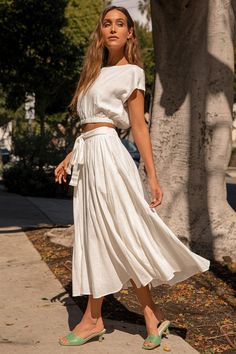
pixel 113 66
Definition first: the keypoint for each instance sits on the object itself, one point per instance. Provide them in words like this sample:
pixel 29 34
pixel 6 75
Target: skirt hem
pixel 127 284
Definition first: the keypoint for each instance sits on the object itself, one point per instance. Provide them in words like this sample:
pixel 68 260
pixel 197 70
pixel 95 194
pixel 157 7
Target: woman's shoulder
pixel 125 73
pixel 137 68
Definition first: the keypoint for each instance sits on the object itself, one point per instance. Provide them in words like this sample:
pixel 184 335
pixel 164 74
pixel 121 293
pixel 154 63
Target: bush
pixel 32 181
pixel 33 173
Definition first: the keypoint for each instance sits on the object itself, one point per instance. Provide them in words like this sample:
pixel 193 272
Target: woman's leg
pixel 91 321
pixel 152 312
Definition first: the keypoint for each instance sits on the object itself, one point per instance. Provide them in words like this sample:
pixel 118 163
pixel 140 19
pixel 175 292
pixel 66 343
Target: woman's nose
pixel 112 28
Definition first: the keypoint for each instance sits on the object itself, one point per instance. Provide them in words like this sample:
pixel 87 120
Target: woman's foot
pixel 152 319
pixel 85 328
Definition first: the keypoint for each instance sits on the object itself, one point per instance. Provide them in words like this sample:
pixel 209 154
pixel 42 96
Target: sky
pixel 132 7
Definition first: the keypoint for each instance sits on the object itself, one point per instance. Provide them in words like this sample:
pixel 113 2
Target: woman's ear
pixel 130 35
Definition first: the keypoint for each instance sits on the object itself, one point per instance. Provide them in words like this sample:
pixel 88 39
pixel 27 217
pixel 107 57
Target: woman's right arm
pixel 60 171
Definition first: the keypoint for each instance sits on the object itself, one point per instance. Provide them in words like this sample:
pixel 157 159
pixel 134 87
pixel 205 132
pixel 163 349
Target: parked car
pixel 131 147
pixel 4 155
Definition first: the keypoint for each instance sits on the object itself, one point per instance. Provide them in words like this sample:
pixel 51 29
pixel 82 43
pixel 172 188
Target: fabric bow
pixel 77 159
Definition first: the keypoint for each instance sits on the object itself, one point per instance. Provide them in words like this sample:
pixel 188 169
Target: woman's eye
pixel 108 24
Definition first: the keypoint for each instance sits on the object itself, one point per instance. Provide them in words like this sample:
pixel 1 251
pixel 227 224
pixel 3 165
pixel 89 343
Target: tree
pixel 42 49
pixel 147 53
pixel 5 114
pixel 192 120
pixel 144 8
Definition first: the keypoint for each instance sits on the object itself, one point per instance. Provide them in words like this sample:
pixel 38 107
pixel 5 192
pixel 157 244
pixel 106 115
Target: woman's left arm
pixel 142 140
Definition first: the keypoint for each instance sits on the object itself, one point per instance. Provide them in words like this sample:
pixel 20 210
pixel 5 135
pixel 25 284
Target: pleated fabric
pixel 118 237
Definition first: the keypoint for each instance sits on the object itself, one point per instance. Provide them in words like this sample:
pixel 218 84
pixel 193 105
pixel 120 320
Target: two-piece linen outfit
pixel 117 235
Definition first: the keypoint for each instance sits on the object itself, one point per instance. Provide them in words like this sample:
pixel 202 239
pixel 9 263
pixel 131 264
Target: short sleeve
pixel 134 80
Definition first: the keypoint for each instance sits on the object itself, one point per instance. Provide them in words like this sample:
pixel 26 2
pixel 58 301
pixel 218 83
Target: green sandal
pixel 73 339
pixel 156 338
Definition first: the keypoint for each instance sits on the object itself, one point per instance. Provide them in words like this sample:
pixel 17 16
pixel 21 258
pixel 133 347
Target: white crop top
pixel 105 100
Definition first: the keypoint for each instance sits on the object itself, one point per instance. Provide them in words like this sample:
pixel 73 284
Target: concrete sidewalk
pixel 19 211
pixel 35 308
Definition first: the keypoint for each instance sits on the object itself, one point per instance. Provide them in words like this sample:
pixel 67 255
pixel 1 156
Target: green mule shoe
pixel 156 338
pixel 73 339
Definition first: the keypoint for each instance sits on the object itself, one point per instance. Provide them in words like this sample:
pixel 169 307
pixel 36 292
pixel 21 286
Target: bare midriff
pixel 89 126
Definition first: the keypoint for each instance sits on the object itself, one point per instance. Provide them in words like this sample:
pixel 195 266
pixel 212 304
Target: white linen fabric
pixel 118 237
pixel 106 99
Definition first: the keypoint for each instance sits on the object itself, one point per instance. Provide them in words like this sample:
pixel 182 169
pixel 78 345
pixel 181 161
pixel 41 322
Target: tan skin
pixel 115 23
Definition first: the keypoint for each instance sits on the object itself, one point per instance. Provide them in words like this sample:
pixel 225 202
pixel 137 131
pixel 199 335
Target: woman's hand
pixel 60 171
pixel 156 192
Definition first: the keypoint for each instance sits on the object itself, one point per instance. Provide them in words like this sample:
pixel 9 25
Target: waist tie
pixel 77 157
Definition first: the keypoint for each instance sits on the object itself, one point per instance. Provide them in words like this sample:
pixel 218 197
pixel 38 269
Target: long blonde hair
pixel 97 54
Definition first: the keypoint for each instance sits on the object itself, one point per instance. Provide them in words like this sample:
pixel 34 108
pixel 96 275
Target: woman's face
pixel 114 29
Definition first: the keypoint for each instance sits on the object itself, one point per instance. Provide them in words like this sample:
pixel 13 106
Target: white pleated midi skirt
pixel 118 237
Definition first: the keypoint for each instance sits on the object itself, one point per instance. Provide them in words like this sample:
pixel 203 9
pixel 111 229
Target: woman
pixel 120 240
